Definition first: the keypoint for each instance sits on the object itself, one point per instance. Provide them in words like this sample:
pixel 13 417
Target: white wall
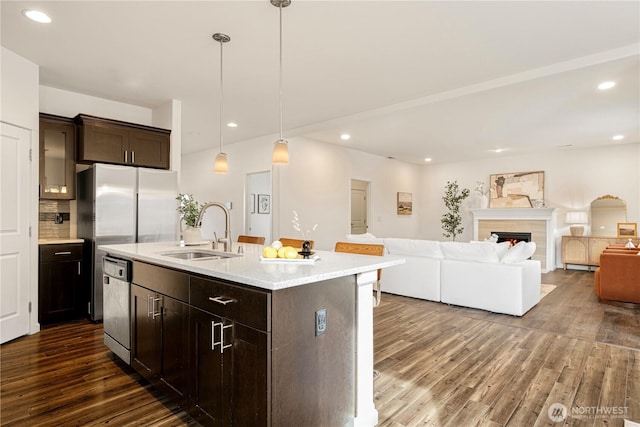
pixel 573 178
pixel 198 178
pixel 316 184
pixel 70 104
pixel 19 80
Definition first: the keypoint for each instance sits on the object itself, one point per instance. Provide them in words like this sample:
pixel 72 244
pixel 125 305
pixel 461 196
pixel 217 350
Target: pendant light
pixel 281 146
pixel 221 165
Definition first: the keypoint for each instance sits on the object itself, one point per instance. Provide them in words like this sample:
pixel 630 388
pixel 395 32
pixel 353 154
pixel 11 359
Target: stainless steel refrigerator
pixel 120 204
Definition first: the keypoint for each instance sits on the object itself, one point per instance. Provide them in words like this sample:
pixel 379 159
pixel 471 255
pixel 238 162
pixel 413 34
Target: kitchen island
pixel 240 341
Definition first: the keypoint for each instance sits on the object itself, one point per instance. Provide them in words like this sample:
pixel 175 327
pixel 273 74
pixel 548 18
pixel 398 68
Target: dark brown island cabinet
pixel 111 141
pixel 60 293
pixel 235 355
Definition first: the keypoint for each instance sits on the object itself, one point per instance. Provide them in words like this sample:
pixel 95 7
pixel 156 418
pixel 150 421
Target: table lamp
pixel 576 219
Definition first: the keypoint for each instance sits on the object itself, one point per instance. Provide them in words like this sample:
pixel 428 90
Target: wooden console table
pixel 586 250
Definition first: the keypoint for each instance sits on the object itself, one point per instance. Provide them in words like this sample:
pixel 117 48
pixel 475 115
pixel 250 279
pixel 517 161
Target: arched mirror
pixel 606 212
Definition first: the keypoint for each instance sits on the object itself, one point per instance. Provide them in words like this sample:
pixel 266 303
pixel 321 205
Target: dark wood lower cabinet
pixel 235 355
pixel 159 339
pixel 228 372
pixel 210 371
pixel 60 283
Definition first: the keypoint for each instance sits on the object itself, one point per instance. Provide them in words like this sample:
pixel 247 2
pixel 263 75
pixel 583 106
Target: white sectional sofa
pixel 483 275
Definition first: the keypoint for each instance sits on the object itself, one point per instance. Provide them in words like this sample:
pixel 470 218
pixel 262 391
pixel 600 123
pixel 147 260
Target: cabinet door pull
pixel 79 271
pixel 222 345
pixel 149 313
pixel 63 253
pixel 126 153
pixel 159 312
pixel 222 300
pixel 214 343
pixel 133 156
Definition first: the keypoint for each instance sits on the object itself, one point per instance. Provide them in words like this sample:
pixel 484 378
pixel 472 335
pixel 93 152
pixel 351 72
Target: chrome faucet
pixel 226 240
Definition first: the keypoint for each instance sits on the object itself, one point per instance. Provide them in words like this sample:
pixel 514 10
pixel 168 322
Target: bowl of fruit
pixel 276 252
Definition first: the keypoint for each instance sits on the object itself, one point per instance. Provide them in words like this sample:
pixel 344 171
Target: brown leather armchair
pixel 618 277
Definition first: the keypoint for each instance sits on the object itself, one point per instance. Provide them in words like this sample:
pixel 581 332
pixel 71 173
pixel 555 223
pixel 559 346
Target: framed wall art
pixel 627 229
pixel 264 203
pixel 517 190
pixel 405 204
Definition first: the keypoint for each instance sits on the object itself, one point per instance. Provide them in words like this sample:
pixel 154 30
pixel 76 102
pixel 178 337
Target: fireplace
pixel 512 236
pixel 539 222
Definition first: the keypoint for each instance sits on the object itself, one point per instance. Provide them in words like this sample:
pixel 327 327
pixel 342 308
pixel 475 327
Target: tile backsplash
pixel 54 219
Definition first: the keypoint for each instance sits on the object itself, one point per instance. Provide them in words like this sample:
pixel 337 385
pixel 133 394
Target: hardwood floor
pixel 438 365
pixel 451 366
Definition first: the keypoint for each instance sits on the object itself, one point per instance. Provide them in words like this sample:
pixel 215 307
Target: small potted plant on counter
pixel 189 208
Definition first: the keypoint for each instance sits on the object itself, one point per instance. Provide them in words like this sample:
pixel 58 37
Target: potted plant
pixel 189 209
pixel 453 198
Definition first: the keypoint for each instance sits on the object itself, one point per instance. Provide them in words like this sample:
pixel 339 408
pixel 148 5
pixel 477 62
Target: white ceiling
pixel 407 79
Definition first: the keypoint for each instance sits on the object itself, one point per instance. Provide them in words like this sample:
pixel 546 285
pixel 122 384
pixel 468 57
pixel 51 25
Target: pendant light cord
pixel 221 94
pixel 280 8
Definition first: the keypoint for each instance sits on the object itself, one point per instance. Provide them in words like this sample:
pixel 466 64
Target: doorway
pixel 257 212
pixel 359 206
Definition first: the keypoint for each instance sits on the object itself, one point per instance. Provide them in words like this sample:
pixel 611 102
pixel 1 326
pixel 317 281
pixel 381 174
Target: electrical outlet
pixel 321 322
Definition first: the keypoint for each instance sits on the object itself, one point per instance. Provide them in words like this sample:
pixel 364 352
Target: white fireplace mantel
pixel 545 214
pixel 523 214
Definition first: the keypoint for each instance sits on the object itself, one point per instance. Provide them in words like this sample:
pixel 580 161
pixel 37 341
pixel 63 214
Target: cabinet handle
pixel 79 271
pixel 149 313
pixel 63 253
pixel 159 312
pixel 125 156
pixel 133 156
pixel 214 343
pixel 222 300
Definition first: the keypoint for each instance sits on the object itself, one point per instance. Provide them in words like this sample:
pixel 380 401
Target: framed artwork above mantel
pixel 517 190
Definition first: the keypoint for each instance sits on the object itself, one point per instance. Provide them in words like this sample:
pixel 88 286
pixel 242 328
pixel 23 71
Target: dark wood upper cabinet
pixel 57 157
pixel 112 141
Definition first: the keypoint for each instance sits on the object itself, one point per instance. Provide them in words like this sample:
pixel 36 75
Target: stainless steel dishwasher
pixel 116 281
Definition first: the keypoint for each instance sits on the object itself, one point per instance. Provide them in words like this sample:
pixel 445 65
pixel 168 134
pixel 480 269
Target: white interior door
pixel 15 274
pixel 359 191
pixel 257 219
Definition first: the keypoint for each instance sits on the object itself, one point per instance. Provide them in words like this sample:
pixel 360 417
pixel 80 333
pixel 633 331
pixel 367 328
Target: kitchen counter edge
pixel 248 269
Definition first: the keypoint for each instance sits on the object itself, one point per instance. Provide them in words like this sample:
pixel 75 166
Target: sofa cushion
pixel 423 248
pixel 362 238
pixel 365 238
pixel 519 252
pixel 502 248
pixel 476 251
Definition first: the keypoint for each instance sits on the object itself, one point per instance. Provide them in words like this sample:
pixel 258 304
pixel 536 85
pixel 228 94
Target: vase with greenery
pixel 452 220
pixel 189 209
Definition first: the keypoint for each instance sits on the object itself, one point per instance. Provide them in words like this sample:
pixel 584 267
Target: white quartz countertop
pixel 249 269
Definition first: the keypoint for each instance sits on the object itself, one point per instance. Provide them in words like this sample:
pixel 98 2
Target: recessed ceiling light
pixel 428 159
pixel 232 125
pixel 606 85
pixel 618 137
pixel 345 137
pixel 499 150
pixel 36 15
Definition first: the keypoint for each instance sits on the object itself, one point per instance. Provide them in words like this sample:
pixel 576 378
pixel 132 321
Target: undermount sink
pixel 194 255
